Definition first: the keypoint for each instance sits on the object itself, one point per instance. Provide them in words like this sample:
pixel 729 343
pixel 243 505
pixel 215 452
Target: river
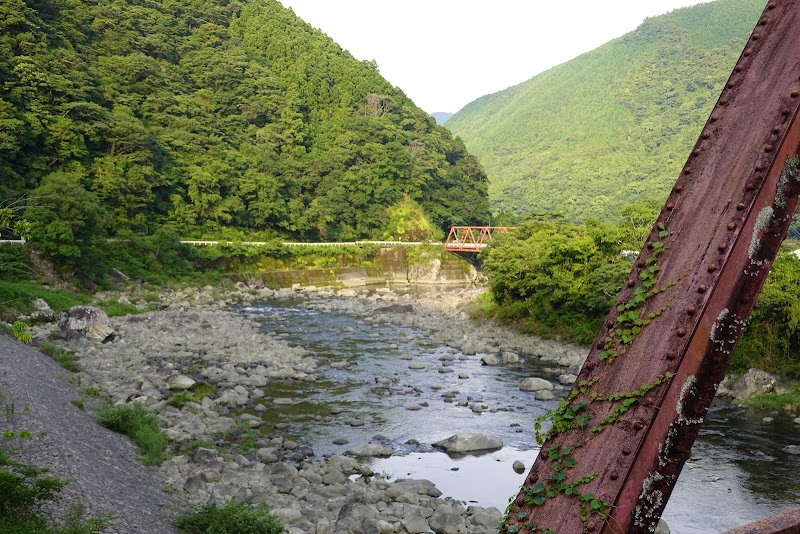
pixel 738 472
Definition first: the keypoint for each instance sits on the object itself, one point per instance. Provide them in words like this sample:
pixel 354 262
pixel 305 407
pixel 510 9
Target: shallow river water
pixel 738 472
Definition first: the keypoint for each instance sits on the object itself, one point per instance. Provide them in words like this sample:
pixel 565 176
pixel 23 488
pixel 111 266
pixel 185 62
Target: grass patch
pixel 783 402
pixel 63 357
pixel 114 308
pixel 25 491
pixel 141 426
pixel 79 404
pixel 181 399
pixel 241 518
pixel 17 298
pixel 91 392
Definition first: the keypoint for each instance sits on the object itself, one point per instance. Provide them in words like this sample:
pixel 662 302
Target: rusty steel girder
pixel 616 445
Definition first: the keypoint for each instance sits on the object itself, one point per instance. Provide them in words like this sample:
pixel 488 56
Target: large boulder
pixel 754 382
pixel 371 450
pixel 88 321
pixel 469 443
pixel 535 384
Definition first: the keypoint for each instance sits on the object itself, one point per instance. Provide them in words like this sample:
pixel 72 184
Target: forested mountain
pixel 120 116
pixel 612 126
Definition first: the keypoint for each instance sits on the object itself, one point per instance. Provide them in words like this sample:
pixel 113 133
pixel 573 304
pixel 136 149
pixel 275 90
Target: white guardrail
pixel 12 241
pixel 201 243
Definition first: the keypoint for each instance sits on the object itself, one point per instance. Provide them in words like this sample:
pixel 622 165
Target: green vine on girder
pixel 571 415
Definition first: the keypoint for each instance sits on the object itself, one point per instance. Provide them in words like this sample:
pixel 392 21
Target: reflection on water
pixel 738 472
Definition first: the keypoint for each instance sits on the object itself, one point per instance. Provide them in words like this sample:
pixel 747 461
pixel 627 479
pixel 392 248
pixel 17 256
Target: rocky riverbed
pixel 198 340
pixel 205 341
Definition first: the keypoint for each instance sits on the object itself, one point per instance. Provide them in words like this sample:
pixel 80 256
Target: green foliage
pixel 139 424
pixel 771 341
pixel 25 491
pixel 768 402
pixel 17 298
pixel 612 126
pixel 181 399
pixel 232 518
pixel 120 118
pixel 558 278
pixel 63 357
pixel 407 222
pixel 22 332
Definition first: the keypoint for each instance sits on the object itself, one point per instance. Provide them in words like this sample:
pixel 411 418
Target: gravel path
pixel 102 466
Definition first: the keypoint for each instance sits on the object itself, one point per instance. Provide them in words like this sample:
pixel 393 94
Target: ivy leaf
pixel 582 421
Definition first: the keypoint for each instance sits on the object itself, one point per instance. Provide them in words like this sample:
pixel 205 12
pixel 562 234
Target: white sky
pixel 446 53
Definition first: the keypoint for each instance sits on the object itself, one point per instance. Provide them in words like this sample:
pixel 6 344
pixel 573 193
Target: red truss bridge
pixel 472 238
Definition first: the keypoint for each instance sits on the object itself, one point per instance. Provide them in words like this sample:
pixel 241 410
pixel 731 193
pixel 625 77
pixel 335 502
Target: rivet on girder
pixel 711 268
pixel 723 101
pixel 750 186
pixel 638 425
pixel 631 283
pixel 740 206
pixel 776 130
pixel 731 225
pixel 759 166
pixel 771 6
pixel 670 355
pixel 756 36
pixel 626 450
pixel 705 135
pixel 691 310
pixel 722 247
pixel 591 526
pixel 739 68
pixel 679 188
pixel 731 84
pixel 614 475
pixel 600 345
pixel 763 22
pixel 747 52
pixel 714 118
pixel 702 289
pixel 681 332
pixel 670 206
pixel 795 94
pixel 768 148
pixel 641 265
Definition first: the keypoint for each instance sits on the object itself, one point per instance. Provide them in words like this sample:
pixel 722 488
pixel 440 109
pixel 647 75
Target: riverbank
pixel 205 347
pixel 197 343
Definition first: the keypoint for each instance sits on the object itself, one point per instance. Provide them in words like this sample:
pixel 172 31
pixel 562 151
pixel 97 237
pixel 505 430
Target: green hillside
pixel 212 118
pixel 612 126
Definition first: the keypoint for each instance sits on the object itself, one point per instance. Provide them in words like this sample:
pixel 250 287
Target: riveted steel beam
pixel 618 443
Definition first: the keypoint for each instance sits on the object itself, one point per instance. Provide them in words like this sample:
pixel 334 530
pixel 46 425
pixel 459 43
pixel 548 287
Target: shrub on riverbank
pixel 559 280
pixel 25 491
pixel 139 424
pixel 234 517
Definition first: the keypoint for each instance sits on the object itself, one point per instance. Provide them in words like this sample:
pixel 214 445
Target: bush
pixel 139 424
pixel 233 518
pixel 61 356
pixel 25 491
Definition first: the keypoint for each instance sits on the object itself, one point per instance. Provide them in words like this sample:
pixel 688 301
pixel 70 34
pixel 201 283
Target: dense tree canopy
pixel 211 117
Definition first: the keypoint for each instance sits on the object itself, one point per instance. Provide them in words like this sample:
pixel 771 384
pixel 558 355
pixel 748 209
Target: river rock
pixel 510 357
pixel 416 365
pixel 469 442
pixel 446 521
pixel 88 321
pixel 489 359
pixel 792 449
pixel 797 421
pixel 535 384
pixel 544 395
pixel 179 382
pixel 43 313
pixel 371 450
pixel 518 467
pixel 754 382
pixel 567 379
